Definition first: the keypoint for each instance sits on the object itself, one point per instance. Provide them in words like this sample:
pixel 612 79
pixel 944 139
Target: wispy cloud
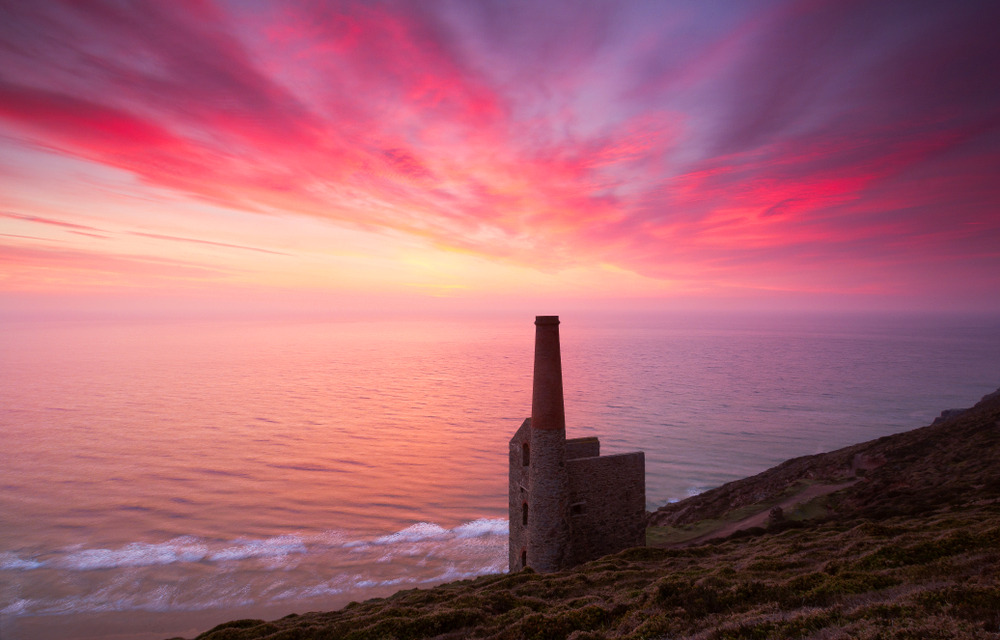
pixel 49 221
pixel 67 265
pixel 160 236
pixel 748 142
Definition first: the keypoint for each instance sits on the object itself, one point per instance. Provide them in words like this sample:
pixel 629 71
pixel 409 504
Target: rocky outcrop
pixel 948 414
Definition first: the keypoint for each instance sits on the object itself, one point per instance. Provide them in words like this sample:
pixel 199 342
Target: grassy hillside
pixel 948 464
pixel 909 548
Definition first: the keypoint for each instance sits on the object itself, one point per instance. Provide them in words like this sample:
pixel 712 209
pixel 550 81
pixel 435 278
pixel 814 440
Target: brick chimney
pixel 548 529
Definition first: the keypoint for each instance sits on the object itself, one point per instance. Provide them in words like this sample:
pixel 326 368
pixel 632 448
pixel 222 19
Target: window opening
pixel 525 454
pixel 524 513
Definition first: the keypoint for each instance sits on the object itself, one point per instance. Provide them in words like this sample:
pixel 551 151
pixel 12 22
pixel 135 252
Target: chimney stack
pixel 547 410
pixel 548 533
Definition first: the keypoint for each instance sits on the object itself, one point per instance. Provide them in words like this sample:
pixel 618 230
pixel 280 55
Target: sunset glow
pixel 322 156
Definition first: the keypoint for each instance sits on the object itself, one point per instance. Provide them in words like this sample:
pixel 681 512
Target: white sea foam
pixel 276 547
pixel 17 607
pixel 482 527
pixel 184 549
pixel 321 590
pixel 414 533
pixel 423 531
pixel 13 562
pixel 119 596
pixel 190 549
pixel 128 577
pixel 695 491
pixel 136 554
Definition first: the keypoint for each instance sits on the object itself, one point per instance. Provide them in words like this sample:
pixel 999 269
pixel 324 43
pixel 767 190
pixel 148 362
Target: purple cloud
pixel 739 142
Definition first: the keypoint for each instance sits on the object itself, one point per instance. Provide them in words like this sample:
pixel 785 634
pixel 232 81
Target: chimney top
pixel 546 388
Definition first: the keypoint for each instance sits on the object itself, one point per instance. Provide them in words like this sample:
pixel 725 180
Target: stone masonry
pixel 568 504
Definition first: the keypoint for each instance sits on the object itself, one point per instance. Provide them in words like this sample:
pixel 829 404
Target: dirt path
pixel 760 519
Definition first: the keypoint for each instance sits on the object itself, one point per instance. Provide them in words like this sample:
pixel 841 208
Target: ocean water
pixel 160 478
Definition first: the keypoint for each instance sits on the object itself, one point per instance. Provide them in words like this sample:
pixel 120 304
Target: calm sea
pixel 160 478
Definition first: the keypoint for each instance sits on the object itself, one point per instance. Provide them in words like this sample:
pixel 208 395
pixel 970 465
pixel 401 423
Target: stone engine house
pixel 568 503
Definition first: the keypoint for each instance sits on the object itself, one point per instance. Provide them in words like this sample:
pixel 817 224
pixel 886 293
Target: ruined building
pixel 568 503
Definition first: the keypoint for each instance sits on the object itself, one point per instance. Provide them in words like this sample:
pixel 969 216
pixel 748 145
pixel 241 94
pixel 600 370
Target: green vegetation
pixel 912 550
pixel 669 536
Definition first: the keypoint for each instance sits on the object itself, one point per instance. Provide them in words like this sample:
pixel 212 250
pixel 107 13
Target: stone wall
pixel 607 504
pixel 566 503
pixel 517 492
pixel 601 509
pixel 548 507
pixel 583 448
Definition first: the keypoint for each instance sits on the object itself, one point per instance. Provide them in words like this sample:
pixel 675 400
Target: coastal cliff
pixel 898 537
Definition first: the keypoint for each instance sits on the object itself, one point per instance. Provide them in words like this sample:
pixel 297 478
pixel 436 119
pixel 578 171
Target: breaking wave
pixel 189 573
pixel 190 549
pixel 11 562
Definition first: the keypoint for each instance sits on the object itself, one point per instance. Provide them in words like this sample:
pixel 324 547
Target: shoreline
pixel 901 535
pixel 831 473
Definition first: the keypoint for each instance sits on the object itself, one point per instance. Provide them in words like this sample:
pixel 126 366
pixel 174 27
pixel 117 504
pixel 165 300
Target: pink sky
pixel 373 156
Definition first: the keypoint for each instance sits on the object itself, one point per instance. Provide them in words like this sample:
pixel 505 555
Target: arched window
pixel 525 454
pixel 524 558
pixel 524 513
